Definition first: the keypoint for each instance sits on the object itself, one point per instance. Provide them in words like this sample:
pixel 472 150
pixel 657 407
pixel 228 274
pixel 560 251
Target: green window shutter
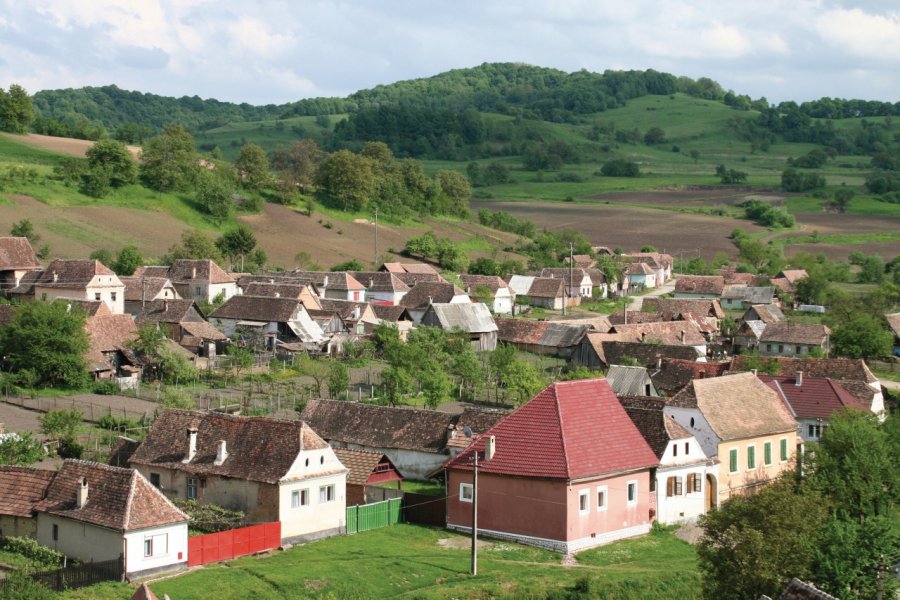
pixel 783 449
pixel 751 457
pixel 732 461
pixel 767 451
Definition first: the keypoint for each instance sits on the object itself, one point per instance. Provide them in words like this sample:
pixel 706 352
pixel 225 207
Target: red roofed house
pixel 813 400
pixel 366 469
pixel 17 257
pixel 95 512
pixel 569 471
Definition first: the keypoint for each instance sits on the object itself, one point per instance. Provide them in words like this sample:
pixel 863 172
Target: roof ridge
pixel 131 491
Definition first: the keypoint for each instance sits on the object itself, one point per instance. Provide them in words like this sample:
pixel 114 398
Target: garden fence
pixel 373 516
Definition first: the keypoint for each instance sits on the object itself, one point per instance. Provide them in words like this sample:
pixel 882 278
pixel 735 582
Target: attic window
pixel 307 462
pixel 692 421
pixel 322 460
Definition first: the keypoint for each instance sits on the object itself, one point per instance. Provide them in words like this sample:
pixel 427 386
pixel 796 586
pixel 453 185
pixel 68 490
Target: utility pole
pixel 376 239
pixel 475 515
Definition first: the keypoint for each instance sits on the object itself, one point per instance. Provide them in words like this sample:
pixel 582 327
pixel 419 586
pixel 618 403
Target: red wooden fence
pixel 225 545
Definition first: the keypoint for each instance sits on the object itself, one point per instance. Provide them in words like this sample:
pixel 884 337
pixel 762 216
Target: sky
pixel 273 52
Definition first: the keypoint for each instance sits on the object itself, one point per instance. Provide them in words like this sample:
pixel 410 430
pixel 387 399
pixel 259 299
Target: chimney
pixel 55 276
pixel 221 453
pixel 356 313
pixel 192 444
pixel 682 336
pixel 452 433
pixel 166 305
pixel 799 378
pixel 430 300
pixel 81 493
pixel 194 273
pixel 659 364
pixel 490 447
pixel 753 371
pixel 643 336
pixel 371 282
pixel 278 294
pixel 325 282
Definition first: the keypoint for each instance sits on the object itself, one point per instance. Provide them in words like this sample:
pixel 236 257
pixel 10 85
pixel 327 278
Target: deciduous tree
pixel 346 179
pixel 169 160
pixel 253 167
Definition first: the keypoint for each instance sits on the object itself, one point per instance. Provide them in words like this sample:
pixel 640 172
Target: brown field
pixel 887 250
pixel 692 197
pixel 69 146
pixel 630 227
pixel 74 232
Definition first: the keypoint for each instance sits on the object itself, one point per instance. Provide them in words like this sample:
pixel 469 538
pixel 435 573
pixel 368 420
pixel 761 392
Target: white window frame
pixel 603 489
pixel 584 501
pixel 330 494
pixel 465 489
pixel 192 487
pixel 304 497
pixel 633 482
pixel 295 499
pixel 158 543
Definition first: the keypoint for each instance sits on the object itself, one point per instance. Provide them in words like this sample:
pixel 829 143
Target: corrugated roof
pixel 628 381
pixel 471 318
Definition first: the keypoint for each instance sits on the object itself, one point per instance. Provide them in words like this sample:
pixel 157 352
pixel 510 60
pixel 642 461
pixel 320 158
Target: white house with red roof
pixel 813 400
pixel 569 471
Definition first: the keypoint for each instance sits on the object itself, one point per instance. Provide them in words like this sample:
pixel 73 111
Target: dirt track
pixel 69 146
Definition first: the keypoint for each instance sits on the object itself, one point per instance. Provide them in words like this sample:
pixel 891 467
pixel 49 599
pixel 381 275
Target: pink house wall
pixel 549 508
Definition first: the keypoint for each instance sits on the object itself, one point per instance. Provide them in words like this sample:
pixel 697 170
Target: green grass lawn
pixel 411 561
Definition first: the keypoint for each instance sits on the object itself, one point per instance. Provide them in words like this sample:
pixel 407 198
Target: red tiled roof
pixel 854 369
pixel 700 284
pixel 21 488
pixel 570 430
pixel 64 273
pixel 816 396
pixel 185 270
pixel 120 499
pixel 361 464
pixel 16 253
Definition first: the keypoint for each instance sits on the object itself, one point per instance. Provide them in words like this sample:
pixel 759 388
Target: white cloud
pixel 865 35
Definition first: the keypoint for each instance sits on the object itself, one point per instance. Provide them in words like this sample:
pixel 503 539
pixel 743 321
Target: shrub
pixel 620 168
pixel 210 518
pixel 30 549
pixel 70 448
pixel 105 388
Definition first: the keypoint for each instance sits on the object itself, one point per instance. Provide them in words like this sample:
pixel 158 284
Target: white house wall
pixel 79 540
pixel 317 519
pixel 689 504
pixel 700 428
pixel 176 549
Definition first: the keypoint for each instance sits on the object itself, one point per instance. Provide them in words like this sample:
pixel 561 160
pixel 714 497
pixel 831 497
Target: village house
pixel 141 290
pixel 415 268
pixel 547 292
pixel 787 280
pixel 338 285
pixel 551 338
pixel 80 280
pixel 578 283
pixel 627 380
pixel 501 296
pixel 640 276
pixel 422 295
pixel 17 258
pixel 355 315
pixel 271 469
pixel 671 309
pixel 382 286
pixel 567 470
pixel 273 286
pixel 368 470
pixel 599 350
pixel 182 322
pixel 767 313
pixel 741 422
pixel 94 513
pixel 851 373
pixel 109 355
pixel 472 319
pixel 742 297
pixel 793 339
pixel 699 286
pixel 198 279
pixel 813 400
pixel 267 321
pixel 672 375
pixel 417 441
pixel 685 478
pixel 894 324
pixel 661 263
pixel 746 338
pixel 671 333
pixel 582 261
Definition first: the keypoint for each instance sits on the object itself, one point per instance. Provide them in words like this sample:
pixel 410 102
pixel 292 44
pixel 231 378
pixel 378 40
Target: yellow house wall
pixel 744 479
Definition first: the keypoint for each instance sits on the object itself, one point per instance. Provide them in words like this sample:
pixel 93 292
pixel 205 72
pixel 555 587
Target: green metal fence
pixel 373 516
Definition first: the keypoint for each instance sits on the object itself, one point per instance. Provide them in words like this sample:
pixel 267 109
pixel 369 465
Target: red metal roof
pixel 570 430
pixel 816 397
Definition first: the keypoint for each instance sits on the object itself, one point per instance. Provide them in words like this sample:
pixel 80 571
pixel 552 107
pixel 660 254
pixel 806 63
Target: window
pixel 732 460
pixel 326 494
pixel 768 347
pixel 780 348
pixel 154 480
pixel 584 506
pixel 784 452
pixel 97 296
pixel 674 487
pixel 156 545
pixel 692 421
pixel 465 492
pixel 694 482
pixel 601 498
pixel 675 450
pixel 55 532
pixel 632 492
pixel 751 457
pixel 814 432
pixel 199 290
pixel 687 448
pixel 797 349
pixel 191 488
pixel 299 498
pixel 767 453
pixel 112 296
